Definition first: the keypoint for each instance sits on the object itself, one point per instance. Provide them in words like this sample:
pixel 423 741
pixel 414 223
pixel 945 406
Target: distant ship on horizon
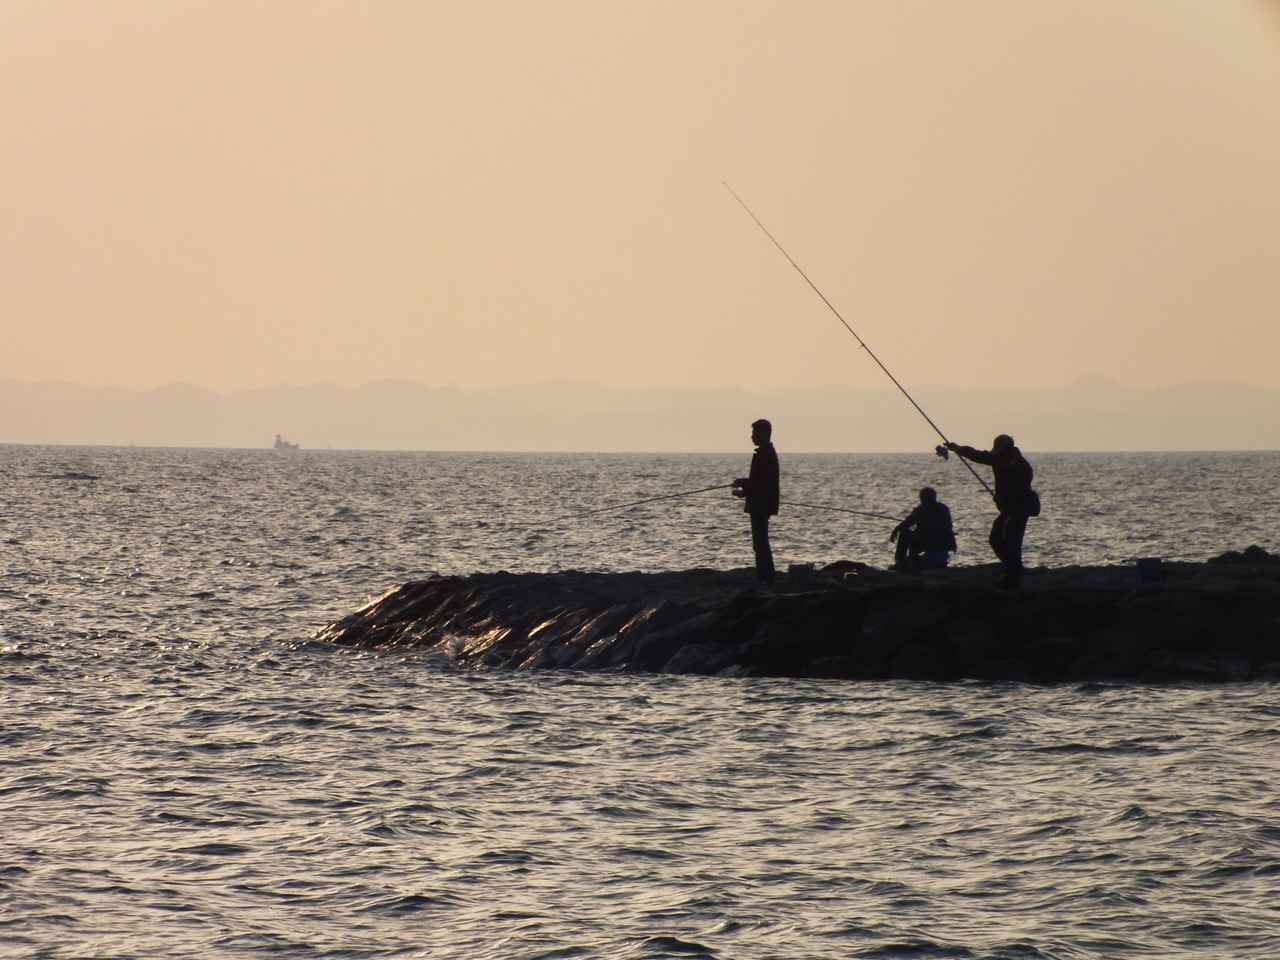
pixel 283 444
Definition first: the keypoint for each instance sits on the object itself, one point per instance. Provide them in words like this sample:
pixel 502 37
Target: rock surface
pixel 1215 621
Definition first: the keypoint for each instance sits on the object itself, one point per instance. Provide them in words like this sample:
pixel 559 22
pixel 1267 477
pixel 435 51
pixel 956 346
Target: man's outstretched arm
pixel 971 453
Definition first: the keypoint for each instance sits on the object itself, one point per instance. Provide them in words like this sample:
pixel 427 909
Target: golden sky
pixel 240 193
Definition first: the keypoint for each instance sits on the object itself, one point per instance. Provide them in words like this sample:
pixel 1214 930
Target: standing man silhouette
pixel 760 491
pixel 1015 500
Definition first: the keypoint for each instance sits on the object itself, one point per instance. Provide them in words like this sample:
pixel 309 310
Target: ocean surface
pixel 184 773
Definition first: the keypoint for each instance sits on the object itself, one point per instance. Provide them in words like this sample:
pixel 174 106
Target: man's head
pixel 761 432
pixel 1002 444
pixel 928 495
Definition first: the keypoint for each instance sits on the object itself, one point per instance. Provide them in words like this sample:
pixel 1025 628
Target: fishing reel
pixel 942 451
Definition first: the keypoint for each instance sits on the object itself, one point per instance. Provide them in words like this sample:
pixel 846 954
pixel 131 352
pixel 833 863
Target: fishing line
pixel 723 486
pixel 628 506
pixel 861 342
pixel 823 506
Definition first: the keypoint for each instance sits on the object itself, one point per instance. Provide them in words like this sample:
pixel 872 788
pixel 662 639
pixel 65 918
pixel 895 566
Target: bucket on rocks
pixel 1150 569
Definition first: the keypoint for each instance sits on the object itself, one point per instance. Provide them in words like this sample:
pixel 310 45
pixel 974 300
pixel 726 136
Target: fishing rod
pixel 861 342
pixel 823 506
pixel 633 503
pixel 724 486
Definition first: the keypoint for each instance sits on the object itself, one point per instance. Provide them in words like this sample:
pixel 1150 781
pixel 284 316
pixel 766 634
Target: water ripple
pixel 184 775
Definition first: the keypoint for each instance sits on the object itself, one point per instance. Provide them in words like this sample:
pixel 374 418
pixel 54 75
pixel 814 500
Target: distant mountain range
pixel 1091 414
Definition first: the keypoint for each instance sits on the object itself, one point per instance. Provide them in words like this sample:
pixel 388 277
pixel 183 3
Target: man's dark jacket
pixel 931 527
pixel 1013 477
pixel 762 482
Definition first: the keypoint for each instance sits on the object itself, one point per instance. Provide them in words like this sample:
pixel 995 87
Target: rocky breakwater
pixel 1214 621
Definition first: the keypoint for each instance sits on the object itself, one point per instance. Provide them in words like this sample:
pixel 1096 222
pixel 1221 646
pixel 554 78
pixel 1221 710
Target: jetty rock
pixel 1141 622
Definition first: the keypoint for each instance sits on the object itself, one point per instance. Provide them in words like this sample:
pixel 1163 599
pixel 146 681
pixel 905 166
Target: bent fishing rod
pixel 856 513
pixel 862 343
pixel 628 506
pixel 689 493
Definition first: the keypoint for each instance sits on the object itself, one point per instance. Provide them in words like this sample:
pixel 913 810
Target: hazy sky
pixel 236 193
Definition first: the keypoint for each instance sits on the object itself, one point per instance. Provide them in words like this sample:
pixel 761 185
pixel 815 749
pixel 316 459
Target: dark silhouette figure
pixel 925 538
pixel 760 491
pixel 1015 500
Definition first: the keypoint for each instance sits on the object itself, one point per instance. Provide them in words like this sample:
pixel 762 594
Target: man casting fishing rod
pixel 1014 498
pixel 760 490
pixel 862 343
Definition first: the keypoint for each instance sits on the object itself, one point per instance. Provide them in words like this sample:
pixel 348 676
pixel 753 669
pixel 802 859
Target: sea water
pixel 184 773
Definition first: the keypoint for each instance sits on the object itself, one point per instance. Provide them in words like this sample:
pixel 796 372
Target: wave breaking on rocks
pixel 1146 622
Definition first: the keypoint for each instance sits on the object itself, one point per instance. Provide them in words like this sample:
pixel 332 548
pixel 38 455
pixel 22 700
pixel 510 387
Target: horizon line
pixel 1088 379
pixel 302 451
